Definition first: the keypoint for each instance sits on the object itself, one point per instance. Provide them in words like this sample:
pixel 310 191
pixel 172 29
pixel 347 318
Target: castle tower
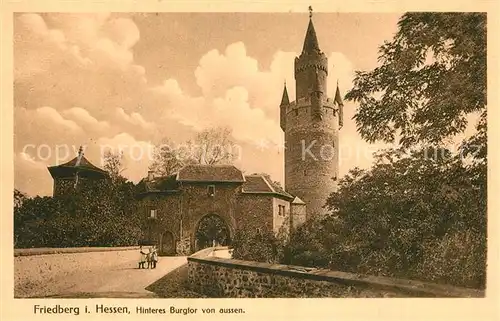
pixel 74 174
pixel 311 124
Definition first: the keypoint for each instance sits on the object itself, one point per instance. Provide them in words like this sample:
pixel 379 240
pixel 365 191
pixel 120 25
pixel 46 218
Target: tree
pixel 432 75
pixel 213 146
pixel 209 147
pixel 167 159
pixel 260 246
pixel 212 228
pixel 19 198
pixel 113 164
pixel 101 214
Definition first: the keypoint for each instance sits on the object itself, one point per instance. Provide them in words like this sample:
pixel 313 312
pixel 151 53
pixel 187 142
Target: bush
pixel 101 215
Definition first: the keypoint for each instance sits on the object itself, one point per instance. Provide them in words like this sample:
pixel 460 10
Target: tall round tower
pixel 311 124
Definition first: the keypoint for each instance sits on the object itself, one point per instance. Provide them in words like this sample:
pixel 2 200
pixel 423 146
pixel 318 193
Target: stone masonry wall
pixel 168 215
pixel 255 211
pixel 197 203
pixel 226 278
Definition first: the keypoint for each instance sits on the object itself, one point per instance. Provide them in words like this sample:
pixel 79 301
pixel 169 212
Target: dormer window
pixel 211 190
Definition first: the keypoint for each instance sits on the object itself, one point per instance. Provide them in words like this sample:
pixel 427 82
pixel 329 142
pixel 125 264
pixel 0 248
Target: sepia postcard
pixel 200 160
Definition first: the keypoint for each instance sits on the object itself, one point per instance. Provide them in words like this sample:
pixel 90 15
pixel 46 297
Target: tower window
pixel 211 190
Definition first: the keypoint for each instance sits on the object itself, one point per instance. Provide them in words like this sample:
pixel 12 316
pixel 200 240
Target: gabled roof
pixel 210 173
pixel 260 184
pixel 298 201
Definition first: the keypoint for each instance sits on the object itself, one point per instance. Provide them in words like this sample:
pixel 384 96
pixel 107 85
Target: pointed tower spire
pixel 340 104
pixel 284 99
pixel 311 41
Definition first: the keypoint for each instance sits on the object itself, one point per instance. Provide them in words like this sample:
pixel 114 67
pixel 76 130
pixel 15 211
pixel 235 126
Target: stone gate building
pixel 175 205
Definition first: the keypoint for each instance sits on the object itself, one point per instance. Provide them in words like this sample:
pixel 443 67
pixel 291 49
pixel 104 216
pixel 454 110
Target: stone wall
pixel 180 213
pixel 279 219
pixel 227 278
pixel 169 216
pixel 298 213
pixel 255 211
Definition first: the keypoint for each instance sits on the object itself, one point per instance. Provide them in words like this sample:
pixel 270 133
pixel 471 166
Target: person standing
pixel 142 258
pixel 154 257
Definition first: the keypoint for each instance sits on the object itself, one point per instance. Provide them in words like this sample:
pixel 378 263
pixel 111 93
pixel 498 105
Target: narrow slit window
pixel 211 190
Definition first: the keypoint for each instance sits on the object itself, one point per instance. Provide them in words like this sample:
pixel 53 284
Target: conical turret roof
pixel 284 99
pixel 311 43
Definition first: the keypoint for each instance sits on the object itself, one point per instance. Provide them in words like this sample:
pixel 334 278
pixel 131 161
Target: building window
pixel 281 210
pixel 305 172
pixel 211 190
pixel 296 112
pixel 152 214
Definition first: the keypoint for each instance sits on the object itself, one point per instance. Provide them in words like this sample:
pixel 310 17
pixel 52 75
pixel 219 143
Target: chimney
pixel 150 175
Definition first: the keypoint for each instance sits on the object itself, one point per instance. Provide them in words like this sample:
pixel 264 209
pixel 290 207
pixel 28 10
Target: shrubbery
pixel 410 216
pixel 104 215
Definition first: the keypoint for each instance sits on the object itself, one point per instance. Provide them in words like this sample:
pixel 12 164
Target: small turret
pixel 340 106
pixel 283 106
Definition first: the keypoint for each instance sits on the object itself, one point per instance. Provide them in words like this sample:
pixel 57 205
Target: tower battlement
pixel 306 102
pixel 311 61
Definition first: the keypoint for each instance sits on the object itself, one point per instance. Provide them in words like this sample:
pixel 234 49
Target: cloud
pixel 137 154
pixel 31 177
pixel 87 121
pixel 50 115
pixel 76 82
pixel 134 119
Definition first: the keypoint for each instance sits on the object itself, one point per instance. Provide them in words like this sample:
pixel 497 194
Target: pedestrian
pixel 154 257
pixel 142 258
pixel 148 258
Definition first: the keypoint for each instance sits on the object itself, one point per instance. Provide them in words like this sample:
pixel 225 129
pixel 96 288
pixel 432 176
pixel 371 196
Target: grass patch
pixel 174 285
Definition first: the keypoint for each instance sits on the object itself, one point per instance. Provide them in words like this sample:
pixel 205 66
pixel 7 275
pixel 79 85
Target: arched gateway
pixel 211 230
pixel 167 243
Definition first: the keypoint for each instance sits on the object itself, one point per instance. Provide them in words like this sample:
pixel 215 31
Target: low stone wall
pixel 227 278
pixel 48 250
pixel 37 270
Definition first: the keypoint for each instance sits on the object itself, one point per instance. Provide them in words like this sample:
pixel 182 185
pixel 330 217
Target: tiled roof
pixel 84 163
pixel 260 184
pixel 210 173
pixel 71 167
pixel 158 184
pixel 256 183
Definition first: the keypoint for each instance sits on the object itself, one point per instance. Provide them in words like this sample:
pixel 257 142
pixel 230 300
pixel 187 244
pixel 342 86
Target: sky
pixel 133 80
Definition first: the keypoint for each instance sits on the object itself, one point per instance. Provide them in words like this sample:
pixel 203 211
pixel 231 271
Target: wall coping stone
pixel 411 287
pixel 50 251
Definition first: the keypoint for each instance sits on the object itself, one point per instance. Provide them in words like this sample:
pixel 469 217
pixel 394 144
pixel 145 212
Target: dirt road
pixel 120 280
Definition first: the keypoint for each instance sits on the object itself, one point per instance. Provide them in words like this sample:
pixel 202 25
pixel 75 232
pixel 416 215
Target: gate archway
pixel 167 246
pixel 212 230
